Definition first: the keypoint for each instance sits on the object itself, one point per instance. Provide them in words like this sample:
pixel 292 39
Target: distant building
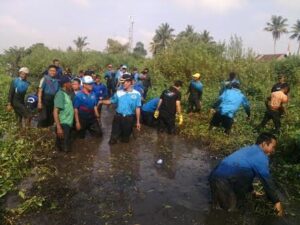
pixel 270 57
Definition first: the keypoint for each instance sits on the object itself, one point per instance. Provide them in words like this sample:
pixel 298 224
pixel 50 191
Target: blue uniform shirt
pixel 151 105
pixel 126 101
pixel 85 104
pixel 230 102
pixel 197 85
pixel 100 90
pixel 49 85
pixel 242 166
pixel 21 85
pixel 138 87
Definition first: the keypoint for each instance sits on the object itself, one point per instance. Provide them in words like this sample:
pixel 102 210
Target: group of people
pixel 74 104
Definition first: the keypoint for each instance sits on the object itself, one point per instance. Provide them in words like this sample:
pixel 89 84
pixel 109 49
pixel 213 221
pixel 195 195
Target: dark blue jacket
pixel 242 166
pixel 100 90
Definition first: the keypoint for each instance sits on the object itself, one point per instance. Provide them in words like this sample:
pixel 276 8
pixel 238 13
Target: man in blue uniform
pixel 99 90
pixel 226 107
pixel 47 90
pixel 232 179
pixel 59 70
pixel 86 112
pixel 109 76
pixel 148 110
pixel 195 94
pixel 128 103
pixel 16 97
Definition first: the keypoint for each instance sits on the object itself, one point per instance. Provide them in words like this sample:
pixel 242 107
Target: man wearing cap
pixel 63 115
pixel 16 96
pixel 195 94
pixel 86 112
pixel 119 74
pixel 167 108
pixel 128 103
pixel 47 90
pixel 226 106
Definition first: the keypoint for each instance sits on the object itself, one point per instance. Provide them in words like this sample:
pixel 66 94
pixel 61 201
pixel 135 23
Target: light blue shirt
pixel 127 101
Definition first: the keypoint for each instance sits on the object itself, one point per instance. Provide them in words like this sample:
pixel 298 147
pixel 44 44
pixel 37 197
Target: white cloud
pixel 10 24
pixel 81 3
pixel 289 4
pixel 218 6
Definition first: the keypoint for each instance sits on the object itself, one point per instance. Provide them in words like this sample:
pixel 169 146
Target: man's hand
pixel 40 106
pixel 156 114
pixel 78 126
pixel 279 209
pixel 138 126
pixel 212 111
pixel 180 119
pixel 60 132
pixel 9 107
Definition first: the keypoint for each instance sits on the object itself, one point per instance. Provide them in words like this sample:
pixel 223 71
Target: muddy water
pixel 122 184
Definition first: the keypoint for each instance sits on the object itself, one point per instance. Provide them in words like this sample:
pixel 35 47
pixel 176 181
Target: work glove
pixel 180 119
pixel 156 114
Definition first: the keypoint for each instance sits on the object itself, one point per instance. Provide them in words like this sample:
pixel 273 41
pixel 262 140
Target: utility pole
pixel 130 36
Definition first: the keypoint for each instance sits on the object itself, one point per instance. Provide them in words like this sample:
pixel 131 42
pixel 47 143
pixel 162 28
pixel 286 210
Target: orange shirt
pixel 277 99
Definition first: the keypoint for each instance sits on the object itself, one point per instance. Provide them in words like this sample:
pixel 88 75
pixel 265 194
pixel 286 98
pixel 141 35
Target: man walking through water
pixel 168 106
pixel 232 179
pixel 128 102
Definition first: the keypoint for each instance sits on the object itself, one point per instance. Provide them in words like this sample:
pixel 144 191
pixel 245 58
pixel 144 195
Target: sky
pixel 56 23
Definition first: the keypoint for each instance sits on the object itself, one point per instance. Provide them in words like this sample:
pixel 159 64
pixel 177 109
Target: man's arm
pixel 138 115
pixel 159 104
pixel 59 130
pixel 246 106
pixel 105 102
pixel 178 107
pixel 77 121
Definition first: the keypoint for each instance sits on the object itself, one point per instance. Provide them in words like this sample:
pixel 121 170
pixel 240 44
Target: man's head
pixel 124 68
pixel 97 78
pixel 76 84
pixel 55 62
pixel 178 84
pixel 267 142
pixel 52 70
pixel 135 69
pixel 235 85
pixel 88 83
pixel 285 88
pixel 146 70
pixel 232 75
pixel 109 67
pixel 65 83
pixel 23 72
pixel 81 73
pixel 126 80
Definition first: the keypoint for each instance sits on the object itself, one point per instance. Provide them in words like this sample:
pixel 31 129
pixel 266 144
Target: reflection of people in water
pixel 166 167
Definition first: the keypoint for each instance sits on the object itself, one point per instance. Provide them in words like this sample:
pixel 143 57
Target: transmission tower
pixel 130 36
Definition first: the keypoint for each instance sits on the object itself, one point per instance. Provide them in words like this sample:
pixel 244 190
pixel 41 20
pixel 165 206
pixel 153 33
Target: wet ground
pixel 122 184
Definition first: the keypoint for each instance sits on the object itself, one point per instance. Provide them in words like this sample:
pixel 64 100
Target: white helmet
pixel 87 80
pixel 24 70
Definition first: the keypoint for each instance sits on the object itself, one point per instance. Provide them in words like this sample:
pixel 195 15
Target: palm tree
pixel 163 37
pixel 80 43
pixel 205 37
pixel 296 33
pixel 277 26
